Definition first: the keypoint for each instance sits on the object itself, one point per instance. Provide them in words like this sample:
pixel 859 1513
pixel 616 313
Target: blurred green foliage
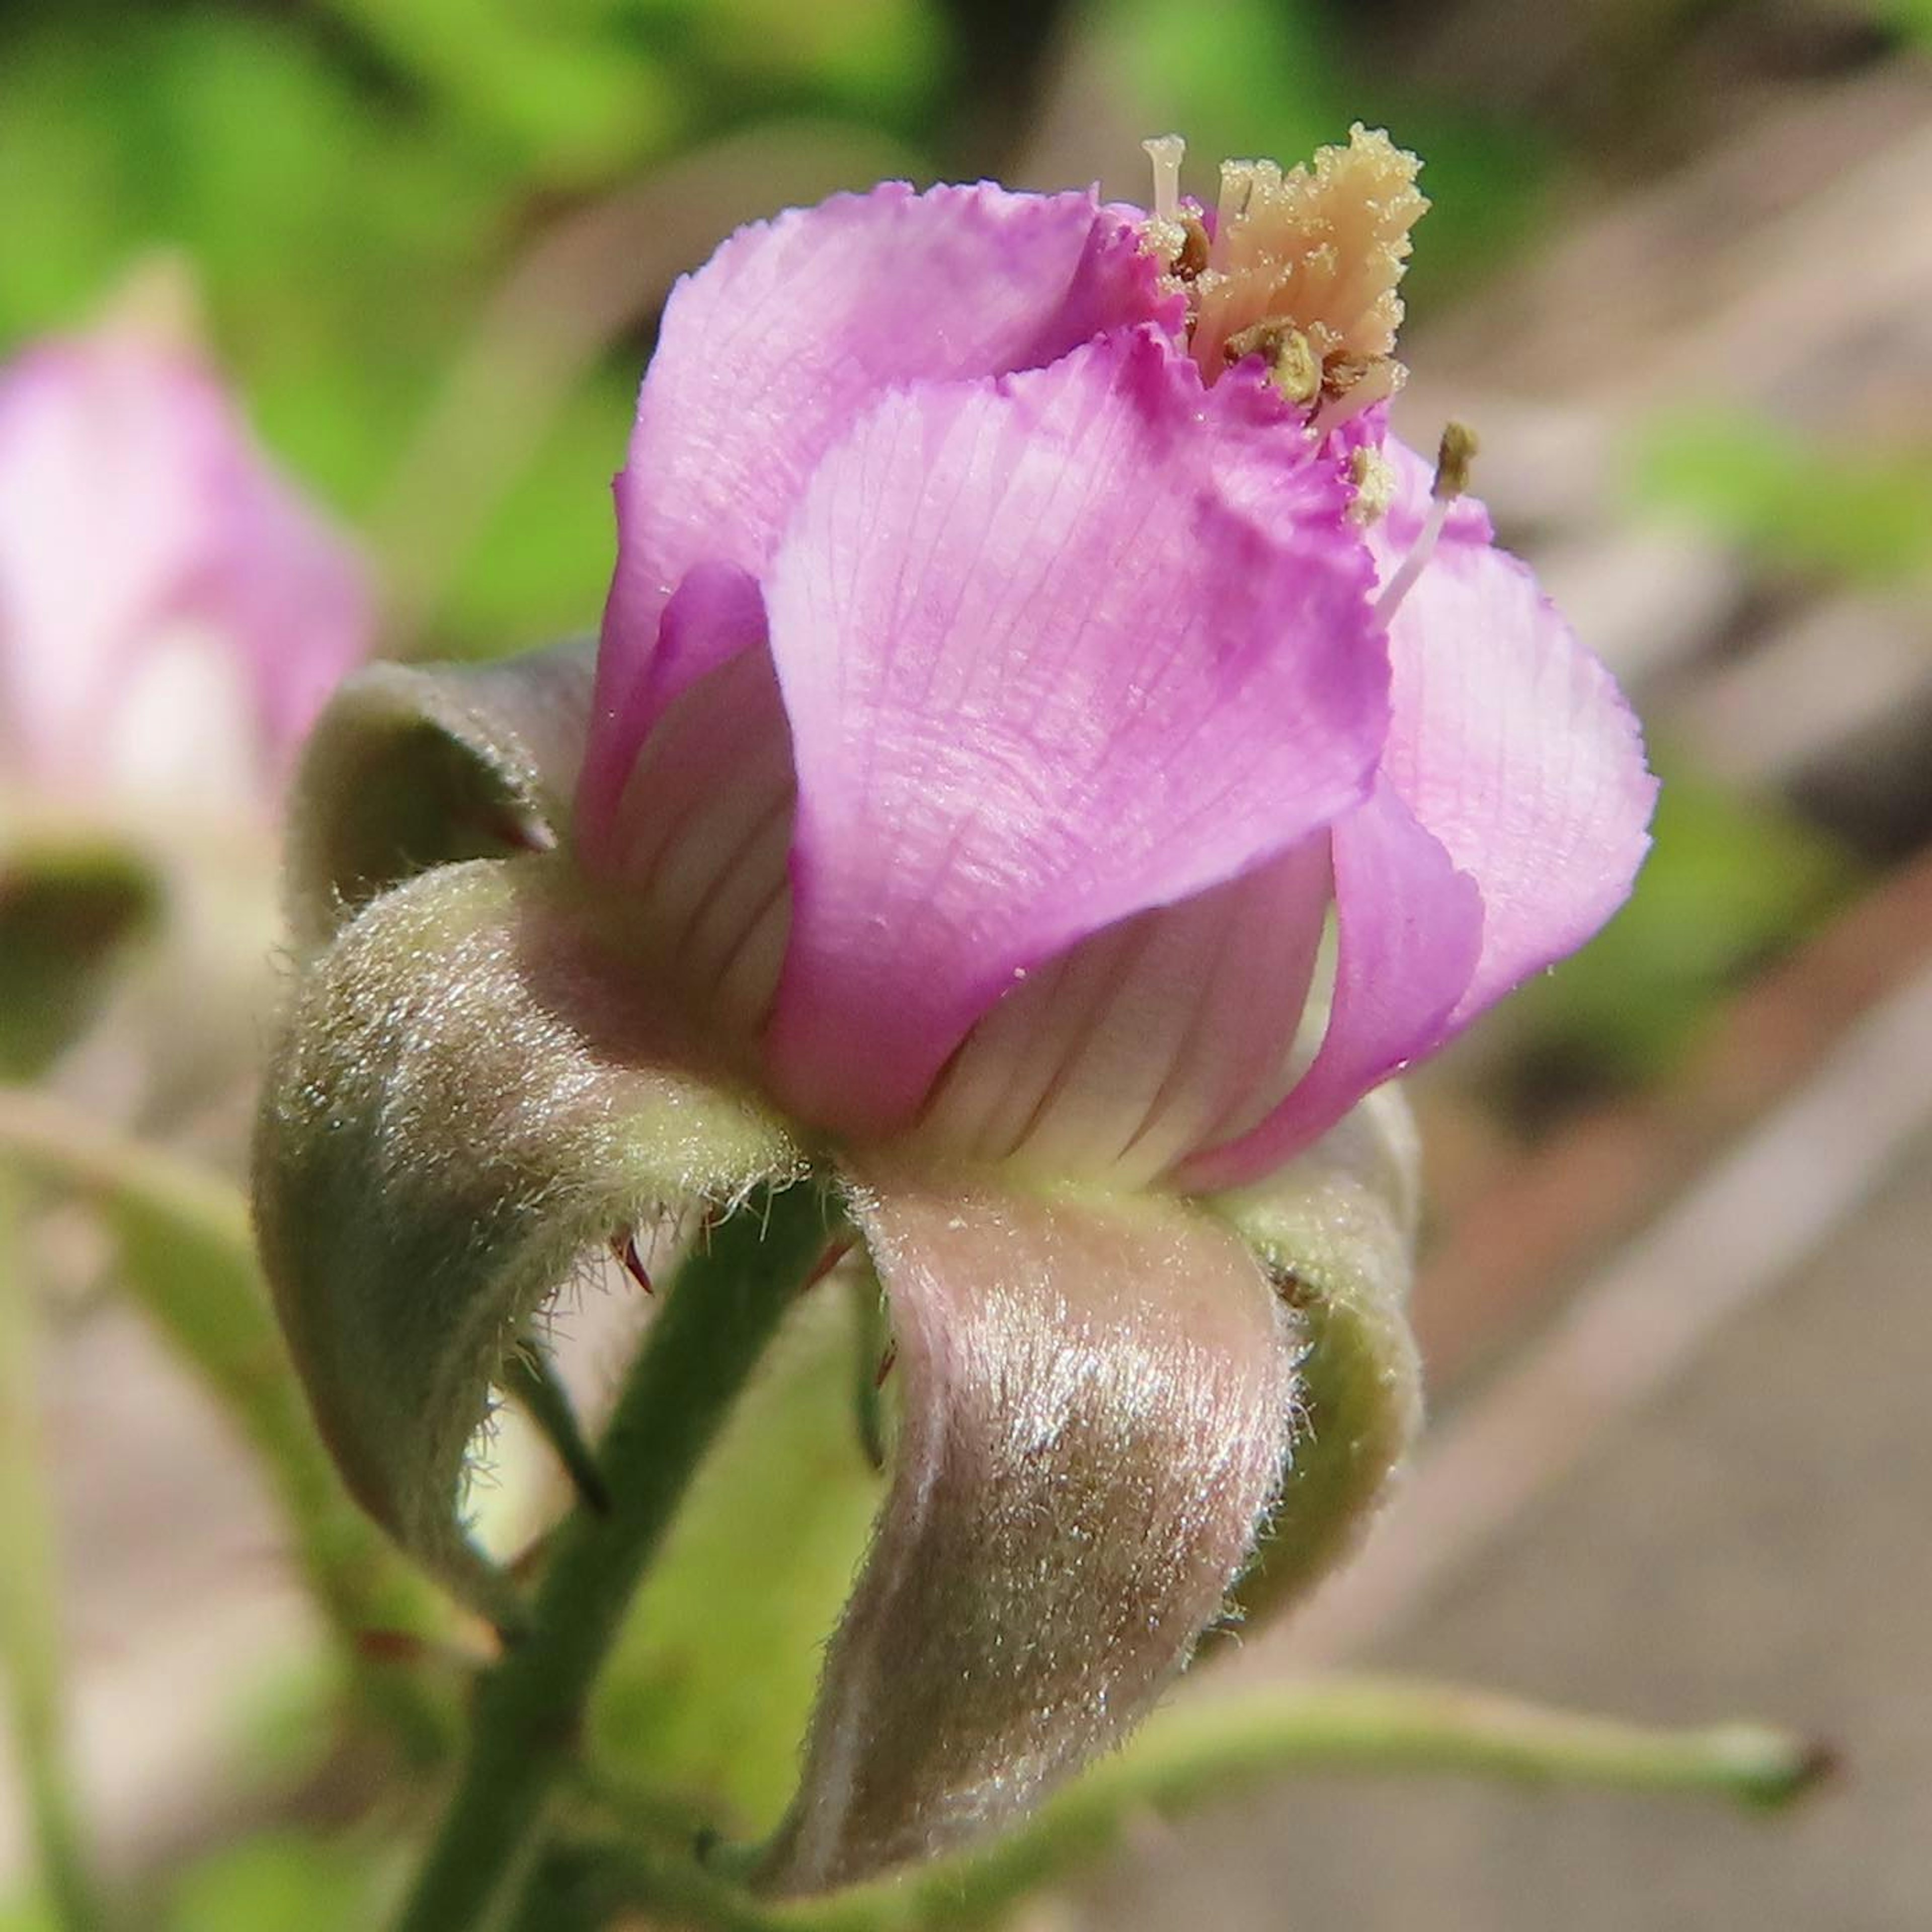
pixel 759 1563
pixel 281 1880
pixel 1257 77
pixel 1861 515
pixel 351 180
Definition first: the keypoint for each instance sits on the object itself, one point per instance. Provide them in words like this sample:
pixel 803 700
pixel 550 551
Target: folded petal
pixel 413 766
pixel 1507 824
pixel 469 1094
pixel 1098 1391
pixel 703 829
pixel 792 328
pixel 1054 650
pixel 1511 744
pixel 1142 1043
pixel 1408 933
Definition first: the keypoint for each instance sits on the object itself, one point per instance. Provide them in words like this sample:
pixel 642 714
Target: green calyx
pixel 469 1095
pixel 1335 1230
pixel 411 769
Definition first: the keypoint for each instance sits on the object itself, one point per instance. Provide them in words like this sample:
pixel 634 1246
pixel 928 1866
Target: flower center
pixel 1301 269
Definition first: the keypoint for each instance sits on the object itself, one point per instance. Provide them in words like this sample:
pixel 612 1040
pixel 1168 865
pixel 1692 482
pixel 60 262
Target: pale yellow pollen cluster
pixel 1373 476
pixel 1304 267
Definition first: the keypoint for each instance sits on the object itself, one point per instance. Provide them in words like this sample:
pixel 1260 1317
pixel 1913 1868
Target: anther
pixel 1293 367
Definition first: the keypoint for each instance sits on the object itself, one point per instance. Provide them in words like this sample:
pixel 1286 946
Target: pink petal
pixel 1512 745
pixel 137 514
pixel 1098 1394
pixel 1054 650
pixel 768 353
pixel 1508 823
pixel 1144 1040
pixel 706 823
pixel 1409 932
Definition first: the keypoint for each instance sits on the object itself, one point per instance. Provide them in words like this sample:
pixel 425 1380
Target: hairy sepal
pixel 1335 1230
pixel 412 767
pixel 1097 1391
pixel 469 1094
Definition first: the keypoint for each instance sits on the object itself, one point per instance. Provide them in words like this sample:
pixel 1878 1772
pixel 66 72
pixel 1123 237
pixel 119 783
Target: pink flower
pixel 1024 634
pixel 172 615
pixel 990 708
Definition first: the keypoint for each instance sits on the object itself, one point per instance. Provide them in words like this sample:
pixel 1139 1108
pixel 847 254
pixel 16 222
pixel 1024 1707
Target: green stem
pixel 728 1300
pixel 1209 1750
pixel 30 1648
pixel 1212 1748
pixel 190 1263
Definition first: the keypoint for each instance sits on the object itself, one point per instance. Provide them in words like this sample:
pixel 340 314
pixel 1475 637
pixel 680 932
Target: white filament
pixel 1166 151
pixel 1413 564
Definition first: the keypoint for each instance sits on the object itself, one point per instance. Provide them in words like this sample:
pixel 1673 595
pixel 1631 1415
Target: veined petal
pixel 1054 650
pixel 1409 931
pixel 702 831
pixel 1507 824
pixel 1512 745
pixel 470 1093
pixel 791 329
pixel 1145 1041
pixel 1098 1392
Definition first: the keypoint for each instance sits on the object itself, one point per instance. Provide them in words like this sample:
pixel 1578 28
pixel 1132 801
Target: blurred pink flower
pixel 173 613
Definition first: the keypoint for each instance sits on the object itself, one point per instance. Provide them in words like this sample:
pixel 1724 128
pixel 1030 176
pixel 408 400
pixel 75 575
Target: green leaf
pixel 67 908
pixel 709 1688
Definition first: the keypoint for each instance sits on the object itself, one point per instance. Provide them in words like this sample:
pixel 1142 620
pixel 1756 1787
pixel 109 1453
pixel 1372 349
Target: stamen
pixel 1166 151
pixel 1238 181
pixel 1453 456
pixel 1191 259
pixel 1293 367
pixel 1373 476
pixel 1375 384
